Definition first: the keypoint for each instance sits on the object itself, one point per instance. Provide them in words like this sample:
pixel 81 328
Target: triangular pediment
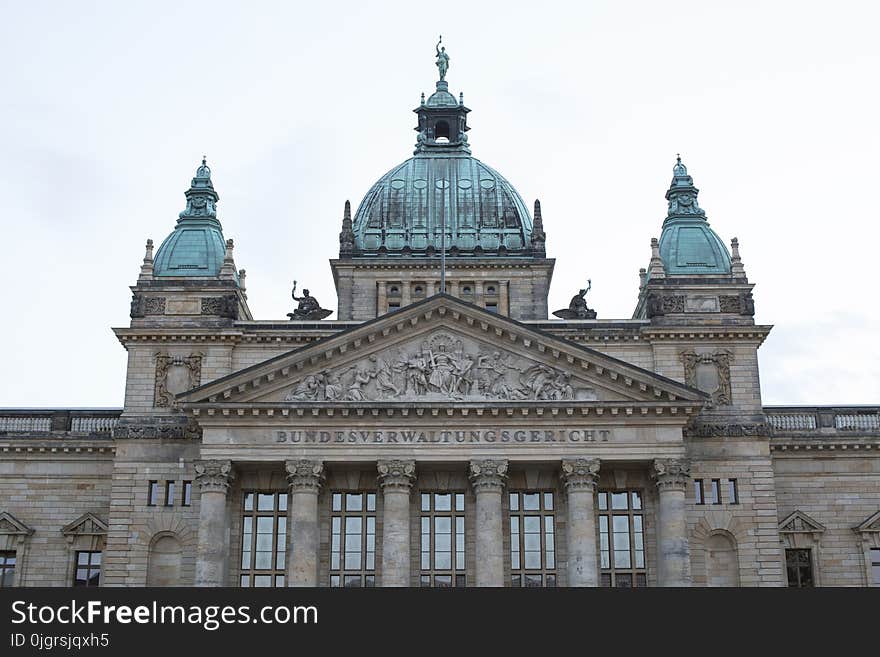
pixel 442 350
pixel 87 524
pixel 9 524
pixel 799 522
pixel 870 524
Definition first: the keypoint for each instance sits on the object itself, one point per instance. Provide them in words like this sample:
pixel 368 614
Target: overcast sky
pixel 106 109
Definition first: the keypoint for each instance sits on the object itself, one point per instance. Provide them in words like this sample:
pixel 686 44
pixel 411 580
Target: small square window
pixel 492 307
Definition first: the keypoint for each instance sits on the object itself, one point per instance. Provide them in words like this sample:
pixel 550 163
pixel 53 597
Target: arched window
pixel 441 129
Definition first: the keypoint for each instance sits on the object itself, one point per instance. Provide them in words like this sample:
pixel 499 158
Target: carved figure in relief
pixel 356 388
pixel 536 381
pixel 496 368
pixel 307 389
pixel 332 386
pixel 441 376
pixel 415 368
pixel 384 375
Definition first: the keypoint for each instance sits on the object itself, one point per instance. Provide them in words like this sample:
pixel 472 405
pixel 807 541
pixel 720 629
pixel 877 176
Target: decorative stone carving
pixel 174 428
pixel 580 474
pixel 488 474
pixel 747 303
pixel 87 525
pixel 154 306
pixel 225 306
pixel 396 474
pixel 175 374
pixel 577 307
pixel 142 305
pixel 441 368
pixel 308 308
pixel 671 474
pixel 305 475
pixel 137 305
pixel 661 304
pixel 709 373
pixel 729 303
pixel 732 430
pixel 214 476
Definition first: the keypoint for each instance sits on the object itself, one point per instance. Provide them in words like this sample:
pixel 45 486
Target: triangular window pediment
pixel 870 524
pixel 10 525
pixel 86 525
pixel 800 523
pixel 442 350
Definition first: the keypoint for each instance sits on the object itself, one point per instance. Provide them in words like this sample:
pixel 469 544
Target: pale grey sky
pixel 107 107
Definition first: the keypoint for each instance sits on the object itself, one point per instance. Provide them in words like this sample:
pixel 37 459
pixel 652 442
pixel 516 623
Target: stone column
pixel 406 294
pixel 381 298
pixel 396 478
pixel 488 478
pixel 503 298
pixel 304 478
pixel 580 477
pixel 213 479
pixel 673 558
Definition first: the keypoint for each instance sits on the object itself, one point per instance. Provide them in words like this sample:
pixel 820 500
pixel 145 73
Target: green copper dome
pixel 196 247
pixel 403 212
pixel 442 185
pixel 688 245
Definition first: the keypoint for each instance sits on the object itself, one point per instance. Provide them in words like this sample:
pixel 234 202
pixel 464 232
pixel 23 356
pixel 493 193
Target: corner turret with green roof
pixel 193 272
pixel 196 247
pixel 691 275
pixel 688 246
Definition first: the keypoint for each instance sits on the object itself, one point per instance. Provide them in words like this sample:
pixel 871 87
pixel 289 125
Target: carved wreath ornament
pixel 441 368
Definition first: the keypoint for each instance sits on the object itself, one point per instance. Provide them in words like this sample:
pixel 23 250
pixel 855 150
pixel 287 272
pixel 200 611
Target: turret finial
pixel 539 237
pixel 655 267
pixel 346 236
pixel 736 265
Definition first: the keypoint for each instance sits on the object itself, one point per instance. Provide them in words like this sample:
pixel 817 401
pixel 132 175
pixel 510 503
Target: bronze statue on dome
pixel 577 307
pixel 308 309
pixel 442 59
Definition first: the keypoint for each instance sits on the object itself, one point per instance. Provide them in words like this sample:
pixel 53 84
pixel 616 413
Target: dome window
pixel 441 129
pixel 490 289
pixel 466 290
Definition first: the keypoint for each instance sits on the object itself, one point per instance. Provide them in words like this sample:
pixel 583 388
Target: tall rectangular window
pixel 532 539
pixel 732 492
pixel 715 494
pixel 88 569
pixel 799 567
pixel 622 539
pixel 698 492
pixel 352 539
pixel 153 493
pixel 187 493
pixel 7 568
pixel 169 493
pixel 442 539
pixel 875 566
pixel 263 538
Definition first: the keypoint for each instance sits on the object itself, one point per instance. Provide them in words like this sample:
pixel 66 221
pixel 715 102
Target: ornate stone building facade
pixel 442 431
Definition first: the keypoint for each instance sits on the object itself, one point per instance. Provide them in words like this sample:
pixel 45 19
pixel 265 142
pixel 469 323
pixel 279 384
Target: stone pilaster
pixel 304 478
pixel 673 561
pixel 580 478
pixel 396 479
pixel 488 478
pixel 213 479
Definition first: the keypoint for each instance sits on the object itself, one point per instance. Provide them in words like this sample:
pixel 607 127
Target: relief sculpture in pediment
pixel 441 368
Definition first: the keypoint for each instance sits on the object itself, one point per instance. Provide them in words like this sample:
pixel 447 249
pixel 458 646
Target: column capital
pixel 488 474
pixel 304 475
pixel 580 474
pixel 396 474
pixel 671 474
pixel 214 476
